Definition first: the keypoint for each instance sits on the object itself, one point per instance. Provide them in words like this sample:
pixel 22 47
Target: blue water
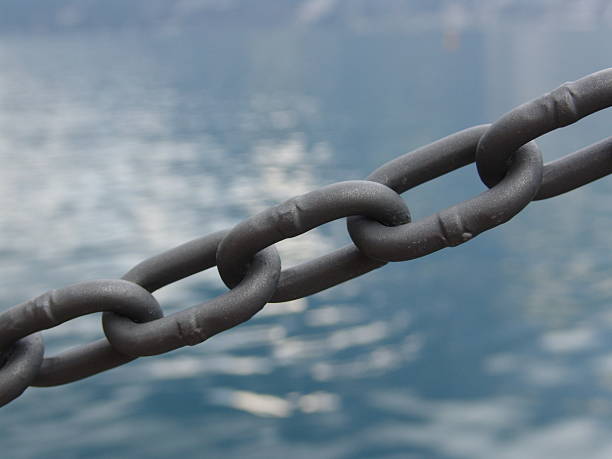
pixel 115 146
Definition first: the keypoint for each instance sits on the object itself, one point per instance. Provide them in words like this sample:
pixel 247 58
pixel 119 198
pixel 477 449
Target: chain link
pixel 508 162
pixel 459 223
pixel 303 213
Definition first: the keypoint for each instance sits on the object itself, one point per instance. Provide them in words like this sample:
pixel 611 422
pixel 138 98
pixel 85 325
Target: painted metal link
pixel 508 161
pixel 303 213
pixel 58 306
pixel 193 325
pixel 459 223
pixel 21 364
pixel 565 105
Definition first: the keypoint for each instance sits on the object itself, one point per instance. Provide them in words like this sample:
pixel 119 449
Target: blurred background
pixel 127 128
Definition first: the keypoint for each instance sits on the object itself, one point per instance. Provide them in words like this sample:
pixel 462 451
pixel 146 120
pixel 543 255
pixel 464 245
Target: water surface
pixel 117 146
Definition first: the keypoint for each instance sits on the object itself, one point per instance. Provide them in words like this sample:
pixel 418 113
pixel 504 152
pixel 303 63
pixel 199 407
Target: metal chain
pixel 508 161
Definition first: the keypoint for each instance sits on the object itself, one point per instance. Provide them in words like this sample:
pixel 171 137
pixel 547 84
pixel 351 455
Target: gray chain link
pixel 508 161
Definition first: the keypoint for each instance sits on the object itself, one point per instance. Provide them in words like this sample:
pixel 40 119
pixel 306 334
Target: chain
pixel 379 223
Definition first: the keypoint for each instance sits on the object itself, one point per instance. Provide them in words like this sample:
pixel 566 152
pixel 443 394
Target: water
pixel 116 146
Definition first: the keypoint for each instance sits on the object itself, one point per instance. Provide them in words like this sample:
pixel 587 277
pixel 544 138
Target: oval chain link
pixel 303 213
pixel 196 324
pixel 565 105
pixel 459 223
pixel 56 307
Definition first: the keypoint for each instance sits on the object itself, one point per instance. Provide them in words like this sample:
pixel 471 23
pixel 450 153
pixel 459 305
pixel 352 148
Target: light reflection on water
pixel 113 150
